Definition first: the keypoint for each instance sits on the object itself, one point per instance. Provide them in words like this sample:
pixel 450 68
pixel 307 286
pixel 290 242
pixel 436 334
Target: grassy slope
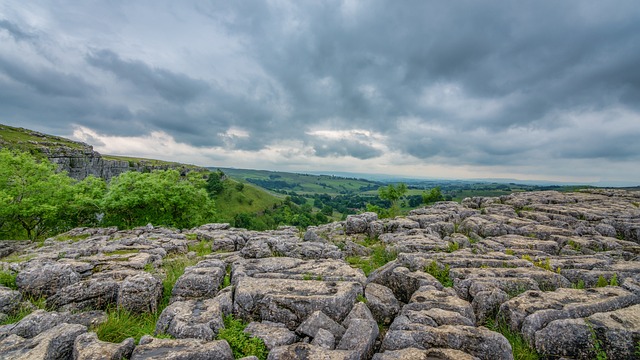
pixel 251 199
pixel 306 184
pixel 19 138
pixel 144 161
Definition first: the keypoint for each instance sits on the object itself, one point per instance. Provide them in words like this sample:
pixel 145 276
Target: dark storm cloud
pixel 463 83
pixel 171 86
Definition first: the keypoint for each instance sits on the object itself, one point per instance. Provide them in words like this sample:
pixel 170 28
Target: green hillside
pixel 237 199
pixel 32 141
pixel 302 183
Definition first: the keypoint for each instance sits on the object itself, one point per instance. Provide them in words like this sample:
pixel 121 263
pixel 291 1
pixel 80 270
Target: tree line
pixel 36 201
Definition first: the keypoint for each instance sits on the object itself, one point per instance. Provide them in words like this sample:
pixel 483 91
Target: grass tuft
pixel 8 279
pixel 441 274
pixel 122 324
pixel 201 248
pixel 242 344
pixel 379 256
pixel 521 350
pixel 24 310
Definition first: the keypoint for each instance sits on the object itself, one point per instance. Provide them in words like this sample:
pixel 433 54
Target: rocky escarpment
pixel 561 270
pixel 78 159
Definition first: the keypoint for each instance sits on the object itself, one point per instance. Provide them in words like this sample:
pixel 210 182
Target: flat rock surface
pixel 561 270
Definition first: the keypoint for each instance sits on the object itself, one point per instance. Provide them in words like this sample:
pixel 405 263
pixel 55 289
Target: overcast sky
pixel 446 89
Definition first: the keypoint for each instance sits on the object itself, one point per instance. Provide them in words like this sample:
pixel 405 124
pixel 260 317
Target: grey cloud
pixel 15 31
pixel 345 147
pixel 169 85
pixel 310 64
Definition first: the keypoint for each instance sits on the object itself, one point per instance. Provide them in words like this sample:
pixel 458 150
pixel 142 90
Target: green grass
pixel 202 248
pixel 8 279
pixel 122 324
pixel 579 285
pixel 72 238
pixel 137 161
pixel 18 138
pixel 379 256
pixel 253 200
pixel 23 310
pixel 361 298
pixel 441 274
pixel 304 183
pixel 453 246
pixel 521 350
pixel 241 343
pixel 18 258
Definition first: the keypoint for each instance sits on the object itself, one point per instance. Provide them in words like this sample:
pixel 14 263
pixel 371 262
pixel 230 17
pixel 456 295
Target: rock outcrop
pixel 559 270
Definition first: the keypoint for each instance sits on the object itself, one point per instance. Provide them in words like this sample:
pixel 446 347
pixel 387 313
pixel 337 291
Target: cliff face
pixel 78 159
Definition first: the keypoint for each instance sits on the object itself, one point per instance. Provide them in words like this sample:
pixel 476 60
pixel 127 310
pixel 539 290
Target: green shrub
pixel 453 246
pixel 241 343
pixel 579 285
pixel 614 280
pixel 602 282
pixel 441 274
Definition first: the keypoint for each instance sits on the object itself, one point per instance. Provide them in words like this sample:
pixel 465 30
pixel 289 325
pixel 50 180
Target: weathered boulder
pixel 617 333
pixel 88 347
pixel 198 319
pixel 9 300
pixel 360 337
pixel 318 320
pixel 199 281
pixel 55 343
pixel 477 341
pixel 291 301
pixel 46 279
pixel 273 334
pixel 402 282
pixel 383 304
pixel 140 293
pixel 181 349
pixel 40 321
pixel 417 354
pixel 302 351
pixel 93 293
pixel 324 339
pixel 533 310
pixel 358 224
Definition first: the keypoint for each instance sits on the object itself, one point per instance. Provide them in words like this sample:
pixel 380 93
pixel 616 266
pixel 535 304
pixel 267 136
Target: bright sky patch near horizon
pixel 533 90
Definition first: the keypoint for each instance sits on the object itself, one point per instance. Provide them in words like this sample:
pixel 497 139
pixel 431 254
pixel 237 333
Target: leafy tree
pixel 432 196
pixel 393 194
pixel 160 197
pixel 85 207
pixel 214 183
pixel 32 195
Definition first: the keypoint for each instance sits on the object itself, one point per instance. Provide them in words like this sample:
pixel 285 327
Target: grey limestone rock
pixel 53 344
pixel 382 303
pixel 477 341
pixel 93 293
pixel 140 293
pixel 198 319
pixel 417 354
pixel 46 279
pixel 618 333
pixel 291 301
pixel 324 339
pixel 360 337
pixel 402 282
pixel 358 224
pixel 359 311
pixel 181 349
pixel 302 351
pixel 40 321
pixel 533 310
pixel 199 281
pixel 9 300
pixel 273 334
pixel 318 320
pixel 88 347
